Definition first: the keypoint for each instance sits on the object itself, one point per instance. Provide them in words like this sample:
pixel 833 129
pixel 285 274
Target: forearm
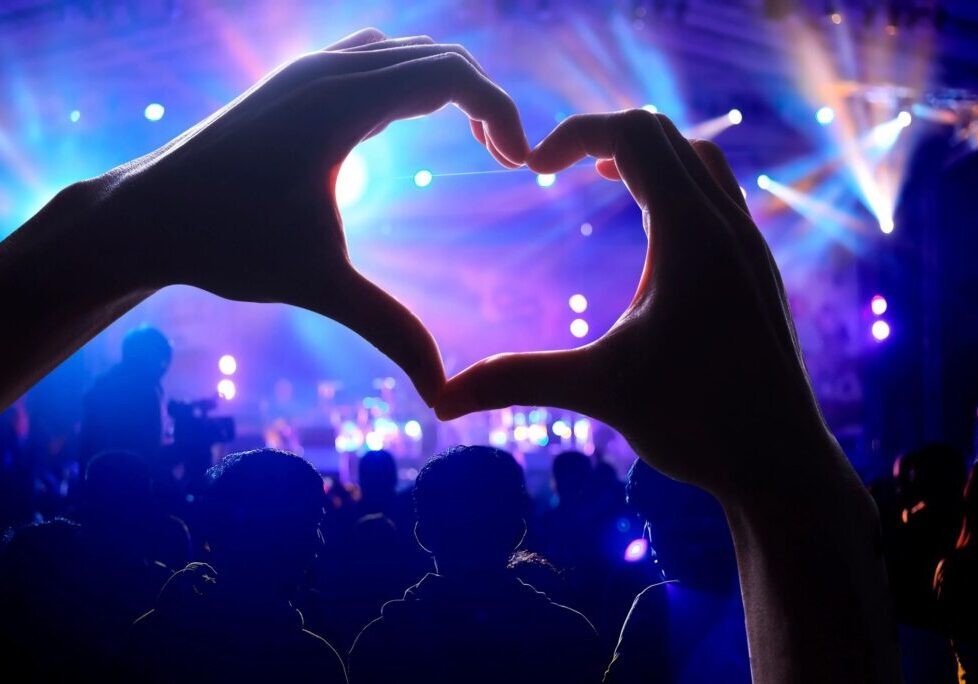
pixel 811 572
pixel 63 280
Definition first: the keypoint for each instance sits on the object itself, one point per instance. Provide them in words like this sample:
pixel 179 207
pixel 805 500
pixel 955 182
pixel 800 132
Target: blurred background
pixel 852 127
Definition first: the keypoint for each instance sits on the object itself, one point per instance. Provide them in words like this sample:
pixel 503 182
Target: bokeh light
pixel 226 389
pixel 227 364
pixel 878 305
pixel 881 330
pixel 636 550
pixel 578 303
pixel 579 327
pixel 154 111
pixel 423 178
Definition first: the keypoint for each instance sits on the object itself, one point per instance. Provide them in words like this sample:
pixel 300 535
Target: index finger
pixel 421 86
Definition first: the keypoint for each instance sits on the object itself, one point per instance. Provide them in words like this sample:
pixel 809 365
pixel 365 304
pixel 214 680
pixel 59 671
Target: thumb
pixel 562 379
pixel 393 329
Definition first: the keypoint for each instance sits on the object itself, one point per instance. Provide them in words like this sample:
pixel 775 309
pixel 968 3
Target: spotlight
pixel 562 429
pixel 423 178
pixel 412 429
pixel 374 440
pixel 586 229
pixel 227 364
pixel 582 429
pixel 578 303
pixel 545 180
pixel 226 389
pixel 735 116
pixel 836 18
pixel 904 118
pixel 154 111
pixel 881 330
pixel 825 115
pixel 74 116
pixel 886 224
pixel 351 180
pixel 651 108
pixel 498 438
pixel 878 305
pixel 636 550
pixel 763 182
pixel 579 327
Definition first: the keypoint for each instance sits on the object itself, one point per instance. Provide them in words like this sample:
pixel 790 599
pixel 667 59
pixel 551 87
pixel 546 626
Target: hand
pixel 243 203
pixel 704 362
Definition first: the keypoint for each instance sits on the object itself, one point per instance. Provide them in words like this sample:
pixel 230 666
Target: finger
pixel 376 56
pixel 394 330
pixel 499 156
pixel 643 155
pixel 716 163
pixel 362 37
pixel 391 43
pixel 607 168
pixel 711 186
pixel 555 378
pixel 478 131
pixel 422 86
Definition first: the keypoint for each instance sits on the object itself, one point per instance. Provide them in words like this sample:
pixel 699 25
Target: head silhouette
pixel 263 509
pixel 688 528
pixel 146 352
pixel 572 476
pixel 471 505
pixel 378 476
pixel 117 491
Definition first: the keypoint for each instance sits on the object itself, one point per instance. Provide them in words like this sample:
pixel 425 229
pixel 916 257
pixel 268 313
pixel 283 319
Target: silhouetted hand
pixel 242 205
pixel 704 361
pixel 703 375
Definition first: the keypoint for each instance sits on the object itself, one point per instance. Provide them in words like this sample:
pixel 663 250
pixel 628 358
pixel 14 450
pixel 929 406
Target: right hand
pixel 704 365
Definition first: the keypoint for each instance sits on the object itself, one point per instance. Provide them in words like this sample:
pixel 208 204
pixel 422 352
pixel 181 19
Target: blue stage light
pixel 154 111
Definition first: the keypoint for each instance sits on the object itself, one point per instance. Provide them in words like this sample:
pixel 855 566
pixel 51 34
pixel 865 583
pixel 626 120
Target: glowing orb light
pixel 881 330
pixel 579 327
pixel 74 116
pixel 878 305
pixel 636 550
pixel 227 364
pixel 412 429
pixel 578 303
pixel 423 178
pixel 226 388
pixel 735 116
pixel 545 180
pixel 154 111
pixel 825 115
pixel 764 181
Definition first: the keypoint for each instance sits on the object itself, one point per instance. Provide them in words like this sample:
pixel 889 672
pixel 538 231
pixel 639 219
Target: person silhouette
pixel 122 410
pixel 231 619
pixel 690 627
pixel 473 620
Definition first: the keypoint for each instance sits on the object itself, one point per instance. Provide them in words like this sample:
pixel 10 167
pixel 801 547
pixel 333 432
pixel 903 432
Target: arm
pixel 704 377
pixel 242 205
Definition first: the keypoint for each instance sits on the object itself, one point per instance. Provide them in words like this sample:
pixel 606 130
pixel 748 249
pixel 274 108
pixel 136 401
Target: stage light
pixel 825 115
pixel 562 429
pixel 763 182
pixel 154 111
pixel 582 429
pixel 586 229
pixel 520 433
pixel 498 438
pixel 836 18
pixel 881 330
pixel 904 118
pixel 651 108
pixel 227 364
pixel 74 116
pixel 538 434
pixel 412 429
pixel 878 305
pixel 636 550
pixel 423 178
pixel 351 180
pixel 886 224
pixel 578 303
pixel 374 440
pixel 226 389
pixel 545 180
pixel 579 327
pixel 735 116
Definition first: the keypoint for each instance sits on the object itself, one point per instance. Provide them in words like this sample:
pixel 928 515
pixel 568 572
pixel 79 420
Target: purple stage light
pixel 226 389
pixel 227 364
pixel 881 330
pixel 636 550
pixel 878 305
